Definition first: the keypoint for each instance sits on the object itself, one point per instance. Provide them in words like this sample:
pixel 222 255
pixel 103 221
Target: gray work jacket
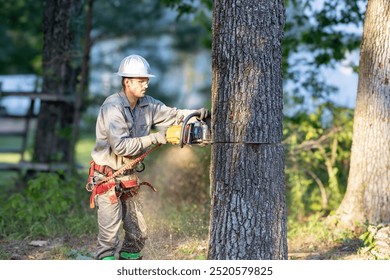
pixel 122 132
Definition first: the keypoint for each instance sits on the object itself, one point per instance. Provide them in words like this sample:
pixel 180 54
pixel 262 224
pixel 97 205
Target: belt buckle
pixel 90 185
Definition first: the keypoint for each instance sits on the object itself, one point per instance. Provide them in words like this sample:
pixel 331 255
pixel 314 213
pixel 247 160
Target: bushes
pixel 49 205
pixel 317 148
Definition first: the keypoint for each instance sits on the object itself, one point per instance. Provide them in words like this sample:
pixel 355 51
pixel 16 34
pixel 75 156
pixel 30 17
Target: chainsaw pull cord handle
pixel 183 127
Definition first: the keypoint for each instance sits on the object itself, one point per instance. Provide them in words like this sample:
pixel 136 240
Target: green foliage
pixel 317 235
pixel 317 148
pixel 323 30
pixel 200 12
pixel 372 240
pixel 188 6
pixel 49 205
pixel 125 18
pixel 316 37
pixel 368 239
pixel 20 36
pixel 4 255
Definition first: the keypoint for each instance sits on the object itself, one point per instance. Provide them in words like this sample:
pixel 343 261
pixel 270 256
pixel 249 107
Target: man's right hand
pixel 158 137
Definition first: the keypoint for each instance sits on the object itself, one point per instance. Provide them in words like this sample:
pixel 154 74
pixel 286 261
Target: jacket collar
pixel 141 102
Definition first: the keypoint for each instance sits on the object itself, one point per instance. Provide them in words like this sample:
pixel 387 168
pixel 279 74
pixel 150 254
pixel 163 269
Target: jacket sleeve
pixel 164 116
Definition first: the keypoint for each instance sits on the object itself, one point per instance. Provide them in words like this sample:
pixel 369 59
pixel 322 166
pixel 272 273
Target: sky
pixel 342 75
pixel 22 83
pixel 346 80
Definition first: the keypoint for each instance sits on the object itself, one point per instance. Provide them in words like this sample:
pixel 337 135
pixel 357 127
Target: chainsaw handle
pixel 183 127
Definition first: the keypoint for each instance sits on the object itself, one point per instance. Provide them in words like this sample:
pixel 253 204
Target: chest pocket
pixel 142 124
pixel 138 122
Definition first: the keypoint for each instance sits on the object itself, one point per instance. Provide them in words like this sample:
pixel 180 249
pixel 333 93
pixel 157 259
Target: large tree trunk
pixel 61 67
pixel 368 192
pixel 248 218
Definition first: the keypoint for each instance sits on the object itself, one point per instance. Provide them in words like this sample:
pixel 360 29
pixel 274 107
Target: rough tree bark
pixel 248 217
pixel 61 66
pixel 368 191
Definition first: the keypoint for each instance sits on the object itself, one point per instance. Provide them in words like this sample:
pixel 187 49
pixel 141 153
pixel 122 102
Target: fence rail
pixel 17 128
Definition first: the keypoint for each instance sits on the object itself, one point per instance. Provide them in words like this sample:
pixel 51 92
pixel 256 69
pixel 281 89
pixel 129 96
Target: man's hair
pixel 123 82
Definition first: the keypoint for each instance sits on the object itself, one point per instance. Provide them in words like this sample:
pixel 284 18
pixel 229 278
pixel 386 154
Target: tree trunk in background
pixel 368 192
pixel 82 91
pixel 61 67
pixel 248 217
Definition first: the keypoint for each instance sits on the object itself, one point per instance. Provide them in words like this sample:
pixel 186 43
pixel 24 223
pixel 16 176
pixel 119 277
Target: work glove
pixel 204 113
pixel 158 137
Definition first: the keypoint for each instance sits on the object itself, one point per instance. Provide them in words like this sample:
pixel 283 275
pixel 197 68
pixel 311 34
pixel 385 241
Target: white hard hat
pixel 134 66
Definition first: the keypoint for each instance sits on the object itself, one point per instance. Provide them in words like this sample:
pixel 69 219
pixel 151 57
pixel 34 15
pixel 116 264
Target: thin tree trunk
pixel 248 218
pixel 82 90
pixel 368 191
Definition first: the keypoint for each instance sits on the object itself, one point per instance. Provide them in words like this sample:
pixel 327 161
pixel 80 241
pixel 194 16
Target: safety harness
pixel 126 188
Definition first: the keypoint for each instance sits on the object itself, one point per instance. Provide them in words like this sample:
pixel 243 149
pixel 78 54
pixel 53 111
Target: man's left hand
pixel 204 113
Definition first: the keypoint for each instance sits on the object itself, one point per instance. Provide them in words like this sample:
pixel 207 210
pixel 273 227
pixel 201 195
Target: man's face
pixel 138 86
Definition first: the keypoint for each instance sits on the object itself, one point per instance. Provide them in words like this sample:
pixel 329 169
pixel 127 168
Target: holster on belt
pixel 128 188
pixel 123 188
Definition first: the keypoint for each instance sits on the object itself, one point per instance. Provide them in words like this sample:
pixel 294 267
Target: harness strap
pixel 105 185
pixel 100 189
pixel 134 191
pixel 129 189
pixel 103 169
pixel 149 185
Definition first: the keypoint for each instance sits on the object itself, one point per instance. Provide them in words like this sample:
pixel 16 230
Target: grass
pixel 176 232
pixel 4 255
pixel 83 150
pixel 315 238
pixel 11 142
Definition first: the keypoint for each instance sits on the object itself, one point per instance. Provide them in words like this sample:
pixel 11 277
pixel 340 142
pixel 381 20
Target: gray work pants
pixel 110 216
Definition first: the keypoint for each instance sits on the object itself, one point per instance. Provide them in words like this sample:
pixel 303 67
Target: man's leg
pixel 135 229
pixel 109 216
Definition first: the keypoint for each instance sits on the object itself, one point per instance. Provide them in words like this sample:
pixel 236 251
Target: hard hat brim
pixel 127 75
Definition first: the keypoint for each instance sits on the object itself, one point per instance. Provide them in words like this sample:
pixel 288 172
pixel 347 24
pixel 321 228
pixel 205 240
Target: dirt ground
pixel 81 248
pixel 163 246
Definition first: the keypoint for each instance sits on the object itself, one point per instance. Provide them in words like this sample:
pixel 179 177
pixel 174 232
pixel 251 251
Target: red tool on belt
pixel 109 182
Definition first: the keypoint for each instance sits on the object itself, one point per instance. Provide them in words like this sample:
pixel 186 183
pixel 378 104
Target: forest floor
pixel 319 250
pixel 160 247
pixel 176 235
pixel 167 243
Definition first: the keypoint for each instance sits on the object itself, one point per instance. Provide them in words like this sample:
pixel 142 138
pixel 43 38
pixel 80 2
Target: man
pixel 123 132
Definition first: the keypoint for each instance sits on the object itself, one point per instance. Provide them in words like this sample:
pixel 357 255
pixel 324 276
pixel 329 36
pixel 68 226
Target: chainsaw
pixel 194 133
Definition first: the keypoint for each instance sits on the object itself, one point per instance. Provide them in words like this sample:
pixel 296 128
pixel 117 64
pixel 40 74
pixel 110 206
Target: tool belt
pixel 124 189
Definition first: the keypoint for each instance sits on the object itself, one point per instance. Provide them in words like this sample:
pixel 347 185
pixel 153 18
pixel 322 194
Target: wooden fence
pixel 21 127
